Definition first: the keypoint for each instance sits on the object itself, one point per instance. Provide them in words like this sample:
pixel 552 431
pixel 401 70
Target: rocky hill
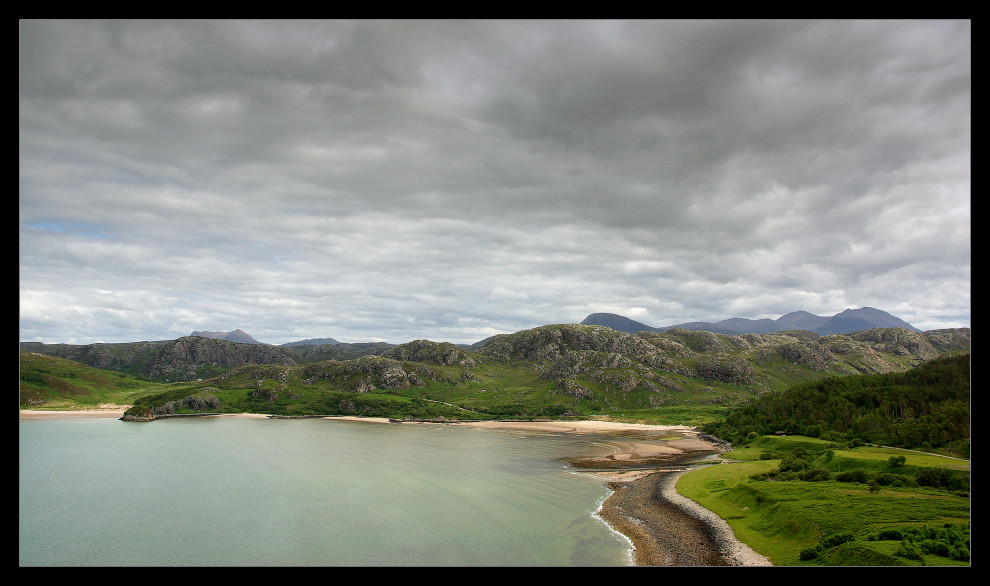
pixel 127 357
pixel 576 355
pixel 185 358
pixel 546 371
pixel 194 357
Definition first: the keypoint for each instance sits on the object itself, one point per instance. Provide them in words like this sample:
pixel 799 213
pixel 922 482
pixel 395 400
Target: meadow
pixel 857 505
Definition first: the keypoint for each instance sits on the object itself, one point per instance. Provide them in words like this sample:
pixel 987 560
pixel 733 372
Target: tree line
pixel 927 407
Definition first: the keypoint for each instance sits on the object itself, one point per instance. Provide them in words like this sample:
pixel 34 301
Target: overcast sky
pixel 450 180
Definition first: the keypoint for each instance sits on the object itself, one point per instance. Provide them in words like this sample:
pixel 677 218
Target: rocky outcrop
pixel 898 341
pixel 812 355
pixel 182 358
pixel 442 353
pixel 363 374
pixel 949 340
pixel 726 369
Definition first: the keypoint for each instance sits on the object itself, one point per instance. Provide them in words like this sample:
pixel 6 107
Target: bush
pixel 837 539
pixel 959 553
pixel 889 534
pixel 941 478
pixel 856 475
pixel 809 553
pixel 908 550
pixel 815 474
pixel 886 479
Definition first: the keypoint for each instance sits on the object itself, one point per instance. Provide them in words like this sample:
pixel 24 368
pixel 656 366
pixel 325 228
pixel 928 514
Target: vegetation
pixel 49 382
pixel 925 407
pixel 674 377
pixel 807 501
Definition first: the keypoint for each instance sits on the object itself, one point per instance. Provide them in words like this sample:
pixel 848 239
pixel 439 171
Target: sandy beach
pixel 103 410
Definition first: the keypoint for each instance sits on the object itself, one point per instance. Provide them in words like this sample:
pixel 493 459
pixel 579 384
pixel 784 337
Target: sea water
pixel 238 491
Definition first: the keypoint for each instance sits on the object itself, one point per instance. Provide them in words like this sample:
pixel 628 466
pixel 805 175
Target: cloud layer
pixel 395 180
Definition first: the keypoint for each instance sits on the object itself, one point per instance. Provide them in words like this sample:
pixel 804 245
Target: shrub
pixel 890 534
pixel 809 553
pixel 908 550
pixel 837 539
pixel 959 553
pixel 815 474
pixel 887 479
pixel 856 475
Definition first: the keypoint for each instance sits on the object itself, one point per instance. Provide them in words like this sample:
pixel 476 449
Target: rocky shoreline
pixel 667 529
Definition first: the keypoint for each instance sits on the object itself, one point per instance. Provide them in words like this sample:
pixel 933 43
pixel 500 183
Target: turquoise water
pixel 234 491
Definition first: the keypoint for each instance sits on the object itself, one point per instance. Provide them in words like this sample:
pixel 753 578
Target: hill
pixel 51 382
pixel 924 407
pixel 849 320
pixel 185 358
pixel 675 376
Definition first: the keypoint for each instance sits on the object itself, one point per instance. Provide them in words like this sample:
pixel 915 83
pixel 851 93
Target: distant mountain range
pixel 313 342
pixel 850 320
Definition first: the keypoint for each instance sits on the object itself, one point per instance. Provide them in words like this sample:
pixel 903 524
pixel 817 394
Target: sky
pixel 451 180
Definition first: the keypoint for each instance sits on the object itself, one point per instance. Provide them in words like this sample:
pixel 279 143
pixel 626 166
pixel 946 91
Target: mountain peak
pixel 238 335
pixel 616 322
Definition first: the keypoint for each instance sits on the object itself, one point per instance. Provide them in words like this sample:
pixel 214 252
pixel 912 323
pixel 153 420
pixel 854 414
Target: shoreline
pixel 639 463
pixel 106 411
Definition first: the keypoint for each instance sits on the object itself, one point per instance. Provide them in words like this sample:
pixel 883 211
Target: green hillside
pixel 52 382
pixel 672 377
pixel 925 407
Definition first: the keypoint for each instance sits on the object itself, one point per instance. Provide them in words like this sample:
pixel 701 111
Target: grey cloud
pixel 398 179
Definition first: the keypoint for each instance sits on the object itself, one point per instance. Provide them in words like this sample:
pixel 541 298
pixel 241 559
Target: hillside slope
pixel 564 369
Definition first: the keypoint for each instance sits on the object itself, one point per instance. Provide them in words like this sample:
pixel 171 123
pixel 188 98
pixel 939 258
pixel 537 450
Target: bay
pixel 241 491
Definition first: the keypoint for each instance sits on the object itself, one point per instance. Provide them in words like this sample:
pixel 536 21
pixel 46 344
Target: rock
pixel 185 355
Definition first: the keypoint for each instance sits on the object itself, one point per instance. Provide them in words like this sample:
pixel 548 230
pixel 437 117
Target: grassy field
pixel 847 523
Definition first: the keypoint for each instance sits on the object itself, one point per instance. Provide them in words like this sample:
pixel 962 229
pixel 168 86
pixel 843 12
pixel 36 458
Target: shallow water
pixel 234 491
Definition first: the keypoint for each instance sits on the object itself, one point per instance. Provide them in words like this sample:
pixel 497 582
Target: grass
pixel 47 382
pixel 779 519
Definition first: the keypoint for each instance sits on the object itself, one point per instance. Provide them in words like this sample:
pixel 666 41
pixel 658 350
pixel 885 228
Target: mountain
pixel 238 336
pixel 616 322
pixel 864 318
pixel 801 320
pixel 313 342
pixel 850 320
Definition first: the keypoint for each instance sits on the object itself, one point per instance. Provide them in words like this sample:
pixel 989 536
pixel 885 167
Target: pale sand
pixel 587 426
pixel 103 410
